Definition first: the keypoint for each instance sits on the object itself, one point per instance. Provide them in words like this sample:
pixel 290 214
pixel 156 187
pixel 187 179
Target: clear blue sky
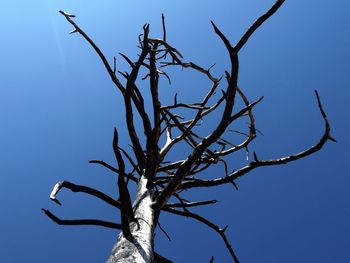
pixel 58 109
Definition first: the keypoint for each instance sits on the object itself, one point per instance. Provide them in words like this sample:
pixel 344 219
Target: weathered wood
pixel 163 178
pixel 140 248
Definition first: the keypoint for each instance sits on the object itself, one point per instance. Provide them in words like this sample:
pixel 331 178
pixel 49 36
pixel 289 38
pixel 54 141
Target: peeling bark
pixel 139 248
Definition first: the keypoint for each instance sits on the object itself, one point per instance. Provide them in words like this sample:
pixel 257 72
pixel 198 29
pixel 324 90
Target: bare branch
pixel 216 134
pixel 201 219
pixel 97 49
pixel 104 164
pixel 192 204
pixel 222 36
pixel 183 105
pixel 153 138
pixel 259 163
pixel 131 64
pixel 206 149
pixel 83 189
pixel 171 166
pixel 164 232
pixel 78 222
pixel 127 213
pixel 131 162
pixel 164 28
pixel 257 24
pixel 244 110
pixel 249 136
pixel 160 259
pixel 115 170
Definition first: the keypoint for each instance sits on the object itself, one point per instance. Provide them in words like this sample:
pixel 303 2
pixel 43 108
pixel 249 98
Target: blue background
pixel 58 109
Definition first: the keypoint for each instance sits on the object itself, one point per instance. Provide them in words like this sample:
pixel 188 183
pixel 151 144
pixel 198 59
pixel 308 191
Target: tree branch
pixel 83 189
pixel 220 231
pixel 97 49
pixel 191 204
pixel 160 259
pixel 78 222
pixel 115 170
pixel 257 24
pixel 127 213
pixel 259 163
pixel 226 118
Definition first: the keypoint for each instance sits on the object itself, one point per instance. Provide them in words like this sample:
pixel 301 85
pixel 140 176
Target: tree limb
pixel 220 231
pixel 83 189
pixel 97 49
pixel 191 204
pixel 115 170
pixel 259 163
pixel 257 24
pixel 78 222
pixel 127 213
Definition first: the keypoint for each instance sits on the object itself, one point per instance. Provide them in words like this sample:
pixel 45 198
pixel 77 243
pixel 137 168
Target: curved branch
pixel 83 189
pixel 97 49
pixel 257 24
pixel 252 130
pixel 104 164
pixel 259 163
pixel 160 259
pixel 220 231
pixel 230 93
pixel 115 170
pixel 78 222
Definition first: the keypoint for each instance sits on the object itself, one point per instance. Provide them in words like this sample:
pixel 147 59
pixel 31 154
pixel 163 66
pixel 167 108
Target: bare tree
pixel 160 180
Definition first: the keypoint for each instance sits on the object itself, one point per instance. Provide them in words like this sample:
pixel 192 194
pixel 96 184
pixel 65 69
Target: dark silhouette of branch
pixel 175 124
pixel 164 28
pixel 260 163
pixel 108 166
pixel 128 92
pixel 191 204
pixel 136 168
pixel 83 189
pixel 252 130
pixel 115 170
pixel 257 24
pixel 160 259
pixel 210 139
pixel 131 88
pixel 226 118
pixel 220 231
pixel 78 222
pixel 127 214
pixel 96 48
pixel 164 232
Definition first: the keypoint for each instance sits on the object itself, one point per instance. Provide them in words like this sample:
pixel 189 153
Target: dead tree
pixel 159 179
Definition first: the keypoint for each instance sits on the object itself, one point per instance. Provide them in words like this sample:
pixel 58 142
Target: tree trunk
pixel 141 249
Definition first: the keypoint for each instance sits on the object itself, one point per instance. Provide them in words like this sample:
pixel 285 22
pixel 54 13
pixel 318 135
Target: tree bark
pixel 140 247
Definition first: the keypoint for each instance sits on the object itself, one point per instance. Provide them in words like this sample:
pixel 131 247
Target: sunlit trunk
pixel 141 249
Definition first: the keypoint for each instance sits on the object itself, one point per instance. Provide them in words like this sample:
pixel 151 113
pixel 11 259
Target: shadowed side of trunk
pixel 138 248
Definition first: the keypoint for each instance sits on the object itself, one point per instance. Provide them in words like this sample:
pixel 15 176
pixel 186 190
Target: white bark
pixel 141 249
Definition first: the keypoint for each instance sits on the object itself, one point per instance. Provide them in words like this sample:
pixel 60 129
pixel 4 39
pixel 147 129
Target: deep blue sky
pixel 58 109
